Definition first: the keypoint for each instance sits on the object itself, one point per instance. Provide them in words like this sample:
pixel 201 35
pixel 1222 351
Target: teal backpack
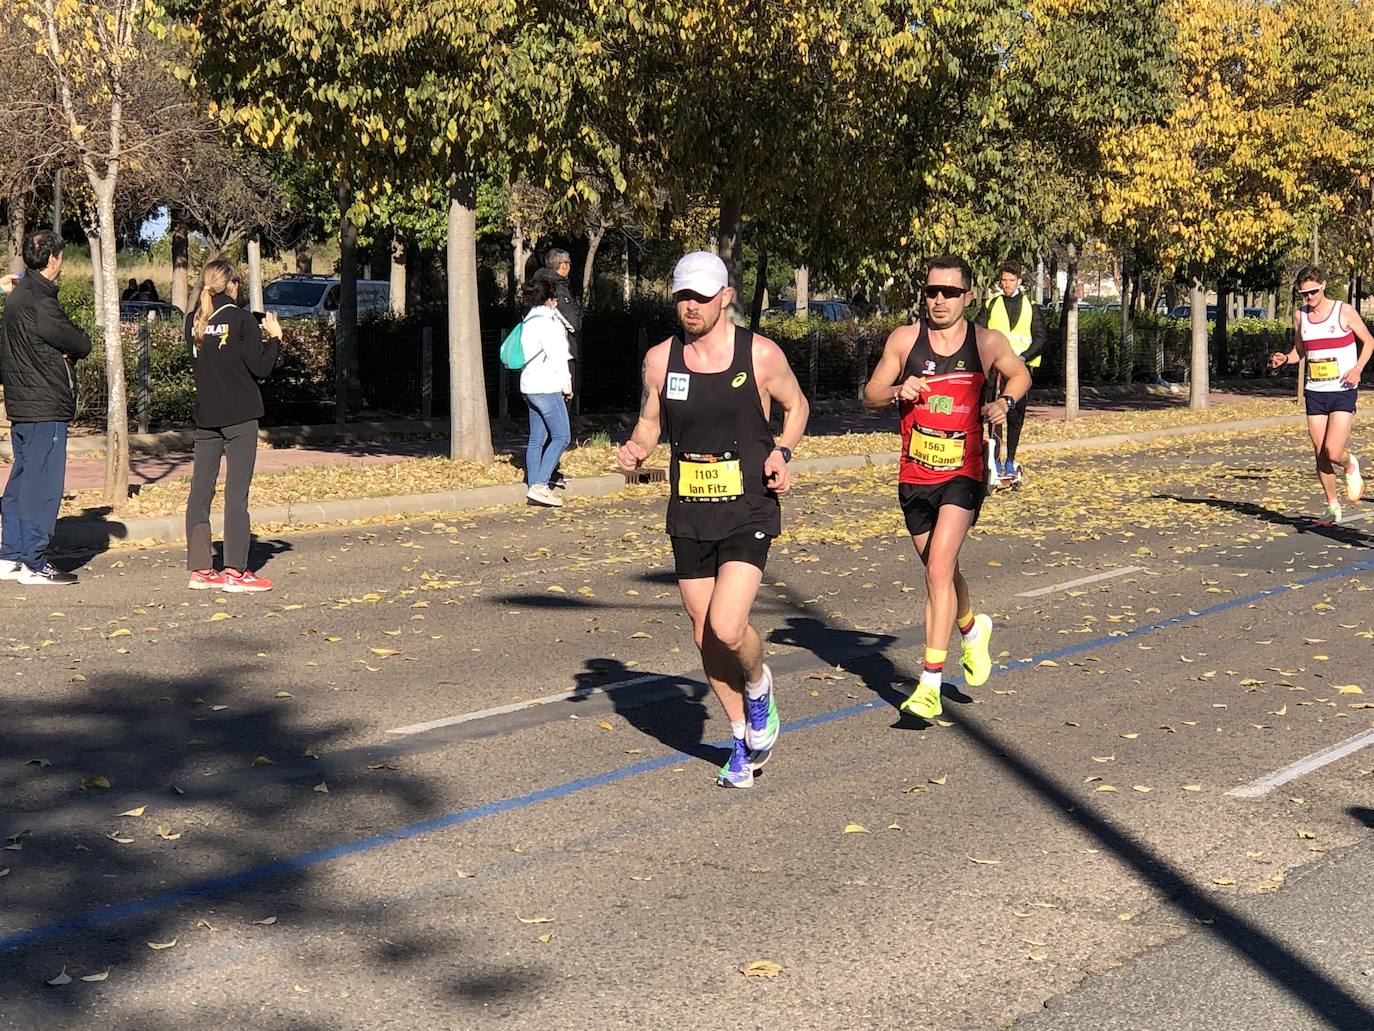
pixel 512 350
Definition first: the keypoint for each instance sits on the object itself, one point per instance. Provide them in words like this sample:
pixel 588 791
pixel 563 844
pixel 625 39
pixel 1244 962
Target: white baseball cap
pixel 701 272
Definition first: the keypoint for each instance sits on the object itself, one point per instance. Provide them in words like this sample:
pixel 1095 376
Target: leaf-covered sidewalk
pixel 291 475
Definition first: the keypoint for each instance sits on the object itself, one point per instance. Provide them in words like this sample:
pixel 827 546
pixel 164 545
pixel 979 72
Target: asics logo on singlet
pixel 739 380
pixel 940 404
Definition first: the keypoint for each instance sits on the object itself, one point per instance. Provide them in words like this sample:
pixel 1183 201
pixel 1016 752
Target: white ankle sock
pixel 757 691
pixel 737 729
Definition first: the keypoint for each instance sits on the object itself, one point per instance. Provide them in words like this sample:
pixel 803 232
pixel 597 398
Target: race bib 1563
pixel 943 454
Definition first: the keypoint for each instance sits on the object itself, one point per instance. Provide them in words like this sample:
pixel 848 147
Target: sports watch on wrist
pixel 1009 401
pixel 786 452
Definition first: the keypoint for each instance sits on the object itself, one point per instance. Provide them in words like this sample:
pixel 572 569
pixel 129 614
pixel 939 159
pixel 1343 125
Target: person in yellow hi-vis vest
pixel 1016 317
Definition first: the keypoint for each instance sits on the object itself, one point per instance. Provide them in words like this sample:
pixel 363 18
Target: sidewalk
pixel 167 456
pixel 89 531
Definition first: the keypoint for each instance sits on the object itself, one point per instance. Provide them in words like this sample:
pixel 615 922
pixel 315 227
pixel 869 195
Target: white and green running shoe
pixel 738 771
pixel 1331 514
pixel 761 725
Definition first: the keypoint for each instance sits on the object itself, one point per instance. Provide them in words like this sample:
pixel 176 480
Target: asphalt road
pixel 352 815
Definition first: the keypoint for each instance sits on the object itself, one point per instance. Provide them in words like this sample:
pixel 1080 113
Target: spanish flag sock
pixel 934 670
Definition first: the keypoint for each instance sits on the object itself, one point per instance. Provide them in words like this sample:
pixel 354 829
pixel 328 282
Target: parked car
pixel 149 311
pixel 304 297
pixel 1256 313
pixel 830 311
pixel 1185 311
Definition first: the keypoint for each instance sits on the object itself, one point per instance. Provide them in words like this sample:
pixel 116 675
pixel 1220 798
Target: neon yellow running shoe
pixel 977 658
pixel 1354 482
pixel 924 702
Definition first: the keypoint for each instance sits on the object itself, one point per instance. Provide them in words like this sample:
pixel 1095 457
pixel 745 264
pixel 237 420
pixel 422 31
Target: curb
pixel 78 533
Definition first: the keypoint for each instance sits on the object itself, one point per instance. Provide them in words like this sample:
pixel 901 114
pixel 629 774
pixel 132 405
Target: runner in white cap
pixel 712 389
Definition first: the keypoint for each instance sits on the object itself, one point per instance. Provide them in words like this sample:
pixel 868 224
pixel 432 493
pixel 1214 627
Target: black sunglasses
pixel 1309 293
pixel 947 292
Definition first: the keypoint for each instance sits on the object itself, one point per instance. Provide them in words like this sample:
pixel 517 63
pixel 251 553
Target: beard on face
pixel 950 317
pixel 708 322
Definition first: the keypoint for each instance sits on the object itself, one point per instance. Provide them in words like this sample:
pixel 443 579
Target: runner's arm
pixel 1362 334
pixel 778 380
pixel 881 389
pixel 644 437
pixel 1292 355
pixel 998 357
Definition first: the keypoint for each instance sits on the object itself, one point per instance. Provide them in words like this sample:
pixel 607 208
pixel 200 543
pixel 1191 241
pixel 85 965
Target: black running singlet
pixel 720 439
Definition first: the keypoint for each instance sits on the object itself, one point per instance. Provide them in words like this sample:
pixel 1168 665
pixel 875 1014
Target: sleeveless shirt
pixel 1331 350
pixel 720 439
pixel 942 431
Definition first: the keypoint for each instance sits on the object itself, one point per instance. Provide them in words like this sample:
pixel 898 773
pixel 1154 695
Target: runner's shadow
pixel 864 655
pixel 1303 524
pixel 1362 813
pixel 671 710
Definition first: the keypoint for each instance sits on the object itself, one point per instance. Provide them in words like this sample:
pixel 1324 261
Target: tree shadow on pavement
pixel 1309 985
pixel 222 839
pixel 1338 533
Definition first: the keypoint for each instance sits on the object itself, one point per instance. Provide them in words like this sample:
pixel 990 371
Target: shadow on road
pixel 218 844
pixel 1303 524
pixel 1362 813
pixel 676 716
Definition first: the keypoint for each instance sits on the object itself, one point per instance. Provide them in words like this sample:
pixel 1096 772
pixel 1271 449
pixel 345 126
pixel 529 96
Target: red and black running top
pixel 942 431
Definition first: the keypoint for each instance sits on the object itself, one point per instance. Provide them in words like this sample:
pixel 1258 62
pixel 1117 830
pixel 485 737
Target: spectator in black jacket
pixel 1015 316
pixel 230 356
pixel 557 266
pixel 39 347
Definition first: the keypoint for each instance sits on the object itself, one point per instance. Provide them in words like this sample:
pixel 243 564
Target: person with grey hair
pixel 557 266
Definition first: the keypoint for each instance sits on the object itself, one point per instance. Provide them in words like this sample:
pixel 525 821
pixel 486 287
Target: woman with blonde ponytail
pixel 230 355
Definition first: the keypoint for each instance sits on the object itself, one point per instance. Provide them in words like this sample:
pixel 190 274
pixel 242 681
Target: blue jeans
pixel 550 435
pixel 33 493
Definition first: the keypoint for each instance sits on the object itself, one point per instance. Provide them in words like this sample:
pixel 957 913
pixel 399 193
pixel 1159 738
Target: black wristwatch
pixel 786 452
pixel 1010 401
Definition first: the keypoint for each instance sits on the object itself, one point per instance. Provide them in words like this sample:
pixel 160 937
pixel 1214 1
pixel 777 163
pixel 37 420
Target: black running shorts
pixel 698 560
pixel 921 502
pixel 1324 402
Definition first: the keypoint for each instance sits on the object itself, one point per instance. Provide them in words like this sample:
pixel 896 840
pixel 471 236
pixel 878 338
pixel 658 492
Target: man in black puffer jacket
pixel 37 353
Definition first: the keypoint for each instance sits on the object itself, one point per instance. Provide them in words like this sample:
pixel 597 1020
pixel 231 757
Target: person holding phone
pixel 230 352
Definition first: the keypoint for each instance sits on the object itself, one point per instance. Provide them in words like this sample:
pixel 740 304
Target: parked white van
pixel 305 297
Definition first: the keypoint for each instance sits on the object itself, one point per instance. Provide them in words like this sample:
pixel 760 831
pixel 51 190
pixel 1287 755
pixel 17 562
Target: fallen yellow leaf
pixel 855 828
pixel 761 968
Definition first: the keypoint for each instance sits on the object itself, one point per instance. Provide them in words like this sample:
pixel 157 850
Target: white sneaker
pixel 541 495
pixel 1332 512
pixel 10 569
pixel 1354 482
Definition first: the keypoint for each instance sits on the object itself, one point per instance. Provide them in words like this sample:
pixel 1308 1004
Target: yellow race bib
pixel 943 454
pixel 1323 370
pixel 709 477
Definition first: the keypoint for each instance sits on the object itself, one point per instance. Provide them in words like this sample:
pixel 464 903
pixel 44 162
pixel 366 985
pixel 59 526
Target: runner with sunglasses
pixel 935 371
pixel 1324 332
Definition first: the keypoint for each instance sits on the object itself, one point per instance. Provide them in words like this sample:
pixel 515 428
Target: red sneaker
pixel 206 580
pixel 246 582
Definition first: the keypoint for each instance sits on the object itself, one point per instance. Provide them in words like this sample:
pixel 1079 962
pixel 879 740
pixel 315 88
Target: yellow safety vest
pixel 1020 334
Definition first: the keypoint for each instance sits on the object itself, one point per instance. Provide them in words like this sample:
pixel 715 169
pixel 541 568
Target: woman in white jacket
pixel 546 382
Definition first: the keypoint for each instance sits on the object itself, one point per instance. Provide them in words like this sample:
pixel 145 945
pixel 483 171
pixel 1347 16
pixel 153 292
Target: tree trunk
pixel 1068 328
pixel 18 226
pixel 803 277
pixel 346 384
pixel 520 255
pixel 255 274
pixel 728 239
pixel 1198 387
pixel 469 424
pixel 181 259
pixel 305 256
pixel 1039 280
pixel 595 234
pixel 117 415
pixel 1126 359
pixel 400 254
pixel 57 202
pixel 1219 329
pixel 97 280
pixel 625 270
pixel 760 291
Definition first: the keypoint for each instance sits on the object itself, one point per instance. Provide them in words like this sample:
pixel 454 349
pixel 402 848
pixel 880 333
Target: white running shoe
pixel 10 569
pixel 1354 482
pixel 1332 512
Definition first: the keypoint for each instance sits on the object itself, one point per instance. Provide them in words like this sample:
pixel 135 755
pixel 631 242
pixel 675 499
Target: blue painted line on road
pixel 244 878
